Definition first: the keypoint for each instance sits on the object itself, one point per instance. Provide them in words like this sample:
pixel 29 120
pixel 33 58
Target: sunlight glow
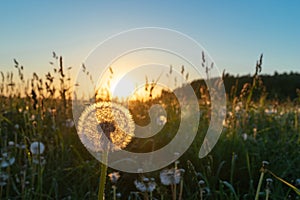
pixel 123 88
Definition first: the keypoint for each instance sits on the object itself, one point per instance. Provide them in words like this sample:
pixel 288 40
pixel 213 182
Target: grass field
pixel 257 156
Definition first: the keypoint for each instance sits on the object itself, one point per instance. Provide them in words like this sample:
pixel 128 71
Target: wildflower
pixel 244 136
pixel 37 148
pixel 7 161
pixel 105 125
pixel 118 195
pixel 171 176
pixel 11 143
pixel 114 177
pixel 17 126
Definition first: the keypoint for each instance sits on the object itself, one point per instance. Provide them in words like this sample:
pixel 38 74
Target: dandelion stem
pixel 259 184
pixel 181 189
pixel 115 192
pixel 267 194
pixel 174 191
pixel 101 194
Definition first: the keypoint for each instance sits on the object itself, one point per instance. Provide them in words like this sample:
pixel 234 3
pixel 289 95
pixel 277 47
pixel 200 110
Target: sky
pixel 234 33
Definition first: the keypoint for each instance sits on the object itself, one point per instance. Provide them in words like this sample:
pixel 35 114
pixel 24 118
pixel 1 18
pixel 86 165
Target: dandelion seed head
pixel 140 186
pixel 17 126
pixel 171 176
pixel 201 182
pixel 265 163
pixel 105 126
pixel 11 143
pixel 114 177
pixel 269 180
pixel 244 136
pixel 145 179
pixel 145 185
pixel 7 161
pixel 37 148
pixel 151 186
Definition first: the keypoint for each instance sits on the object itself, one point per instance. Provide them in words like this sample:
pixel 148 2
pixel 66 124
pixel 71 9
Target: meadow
pixel 257 156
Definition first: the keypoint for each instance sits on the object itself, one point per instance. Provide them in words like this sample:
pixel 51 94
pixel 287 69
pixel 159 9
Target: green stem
pixel 267 194
pixel 174 192
pixel 114 192
pixel 101 194
pixel 181 190
pixel 232 167
pixel 259 185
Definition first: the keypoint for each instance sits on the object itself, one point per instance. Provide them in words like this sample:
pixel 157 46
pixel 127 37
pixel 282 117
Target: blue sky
pixel 233 32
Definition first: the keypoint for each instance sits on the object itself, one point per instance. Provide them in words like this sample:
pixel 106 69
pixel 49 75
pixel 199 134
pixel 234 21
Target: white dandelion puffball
pixel 140 186
pixel 105 126
pixel 171 176
pixel 37 148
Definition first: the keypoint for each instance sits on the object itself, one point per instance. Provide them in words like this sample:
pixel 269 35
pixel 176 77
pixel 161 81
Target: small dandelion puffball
pixel 140 186
pixel 171 176
pixel 114 177
pixel 105 126
pixel 37 148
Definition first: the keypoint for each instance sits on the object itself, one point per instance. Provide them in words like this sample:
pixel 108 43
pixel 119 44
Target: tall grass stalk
pixel 233 158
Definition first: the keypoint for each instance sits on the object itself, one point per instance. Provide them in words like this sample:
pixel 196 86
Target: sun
pixel 123 87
